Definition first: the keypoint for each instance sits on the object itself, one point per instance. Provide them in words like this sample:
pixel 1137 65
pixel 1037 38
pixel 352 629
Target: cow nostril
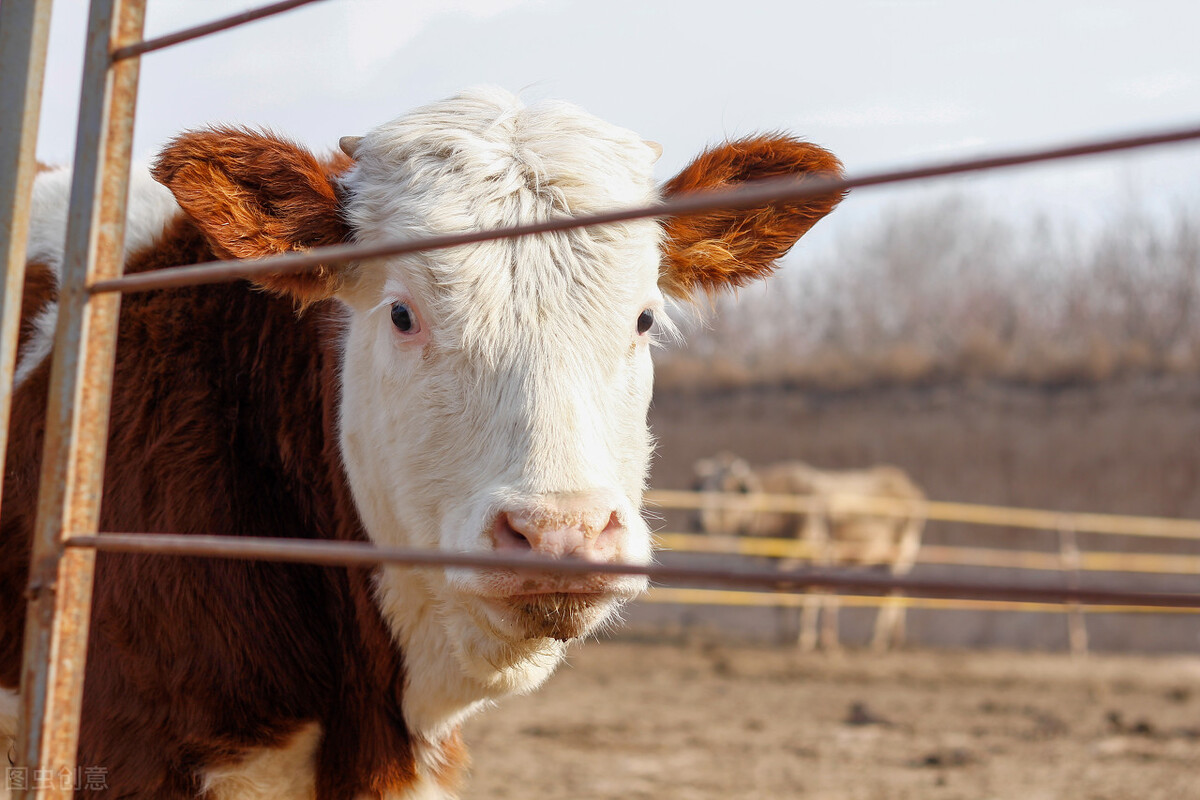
pixel 506 537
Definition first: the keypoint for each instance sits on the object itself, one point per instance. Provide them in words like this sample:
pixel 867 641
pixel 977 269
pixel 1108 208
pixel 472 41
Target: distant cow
pixel 483 398
pixel 842 538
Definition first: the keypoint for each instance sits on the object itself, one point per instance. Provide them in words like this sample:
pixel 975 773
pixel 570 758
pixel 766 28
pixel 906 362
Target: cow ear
pixel 254 195
pixel 729 248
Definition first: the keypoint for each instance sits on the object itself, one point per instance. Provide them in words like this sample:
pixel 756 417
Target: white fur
pixel 289 773
pixel 527 384
pixel 423 789
pixel 48 209
pixel 446 684
pixel 39 345
pixel 151 207
pixel 278 773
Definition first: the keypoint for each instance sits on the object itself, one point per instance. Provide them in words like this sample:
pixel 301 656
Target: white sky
pixel 882 83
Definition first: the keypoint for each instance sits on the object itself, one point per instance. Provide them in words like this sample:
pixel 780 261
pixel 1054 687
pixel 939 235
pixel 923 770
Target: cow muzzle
pixel 576 528
pixel 590 534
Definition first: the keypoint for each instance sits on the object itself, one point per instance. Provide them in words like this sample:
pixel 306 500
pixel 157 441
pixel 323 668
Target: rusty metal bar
pixel 232 21
pixel 60 582
pixel 362 554
pixel 24 31
pixel 750 195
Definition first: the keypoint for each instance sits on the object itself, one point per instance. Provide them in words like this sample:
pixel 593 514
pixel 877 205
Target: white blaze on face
pixel 505 400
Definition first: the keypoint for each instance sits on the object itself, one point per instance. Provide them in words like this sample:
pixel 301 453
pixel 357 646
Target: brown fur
pixel 256 195
pixel 729 248
pixel 40 290
pixel 223 415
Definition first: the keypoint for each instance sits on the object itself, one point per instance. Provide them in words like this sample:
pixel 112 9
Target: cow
pixel 842 537
pixel 485 398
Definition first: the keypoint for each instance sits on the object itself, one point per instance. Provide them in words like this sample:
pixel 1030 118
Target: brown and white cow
pixel 489 397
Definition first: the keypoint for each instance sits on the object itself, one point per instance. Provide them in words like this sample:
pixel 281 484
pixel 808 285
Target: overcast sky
pixel 882 83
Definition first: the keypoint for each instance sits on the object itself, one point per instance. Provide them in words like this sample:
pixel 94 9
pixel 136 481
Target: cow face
pixel 494 396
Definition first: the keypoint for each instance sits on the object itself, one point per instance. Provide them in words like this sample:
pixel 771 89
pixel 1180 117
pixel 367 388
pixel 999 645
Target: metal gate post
pixel 60 581
pixel 24 31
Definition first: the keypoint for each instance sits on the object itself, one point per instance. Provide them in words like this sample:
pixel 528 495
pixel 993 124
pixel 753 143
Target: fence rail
pixel 1069 560
pixel 972 513
pixel 940 555
pixel 207 29
pixel 752 194
pixel 724 597
pixel 362 554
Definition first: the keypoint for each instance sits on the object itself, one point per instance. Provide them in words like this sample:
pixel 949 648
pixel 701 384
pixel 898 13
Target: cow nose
pixel 591 535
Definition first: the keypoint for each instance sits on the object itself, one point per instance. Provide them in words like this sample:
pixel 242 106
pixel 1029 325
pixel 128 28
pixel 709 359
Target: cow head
pixel 494 396
pixel 723 475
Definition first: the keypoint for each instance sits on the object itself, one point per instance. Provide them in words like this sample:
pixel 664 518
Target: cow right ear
pixel 731 247
pixel 254 195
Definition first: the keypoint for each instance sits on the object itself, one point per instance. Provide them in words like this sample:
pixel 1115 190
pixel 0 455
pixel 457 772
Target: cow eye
pixel 404 319
pixel 645 321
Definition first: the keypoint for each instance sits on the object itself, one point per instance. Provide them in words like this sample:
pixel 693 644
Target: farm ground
pixel 705 720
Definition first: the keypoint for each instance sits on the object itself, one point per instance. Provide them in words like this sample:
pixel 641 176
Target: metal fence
pixel 1070 560
pixel 66 532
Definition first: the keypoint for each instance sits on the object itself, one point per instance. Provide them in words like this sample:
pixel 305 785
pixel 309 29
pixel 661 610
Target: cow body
pixel 841 537
pixel 222 393
pixel 491 397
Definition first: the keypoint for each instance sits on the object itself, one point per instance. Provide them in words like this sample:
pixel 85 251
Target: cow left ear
pixel 254 195
pixel 729 248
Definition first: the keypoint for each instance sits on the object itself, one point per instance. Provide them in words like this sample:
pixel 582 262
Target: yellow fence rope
pixel 1003 516
pixel 1150 563
pixel 720 597
pixel 1036 519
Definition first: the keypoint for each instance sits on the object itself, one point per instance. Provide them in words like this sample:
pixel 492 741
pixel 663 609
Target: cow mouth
pixel 537 605
pixel 555 615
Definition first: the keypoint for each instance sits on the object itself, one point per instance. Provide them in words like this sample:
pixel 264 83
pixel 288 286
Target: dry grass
pixel 945 291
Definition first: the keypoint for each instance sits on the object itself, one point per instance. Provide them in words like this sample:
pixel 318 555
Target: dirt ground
pixel 702 720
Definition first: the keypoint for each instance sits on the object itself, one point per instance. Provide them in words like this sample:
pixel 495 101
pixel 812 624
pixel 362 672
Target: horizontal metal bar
pixel 973 513
pixel 361 554
pixel 750 195
pixel 186 35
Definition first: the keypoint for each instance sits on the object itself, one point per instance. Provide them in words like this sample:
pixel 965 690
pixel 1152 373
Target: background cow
pixel 491 397
pixel 836 537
